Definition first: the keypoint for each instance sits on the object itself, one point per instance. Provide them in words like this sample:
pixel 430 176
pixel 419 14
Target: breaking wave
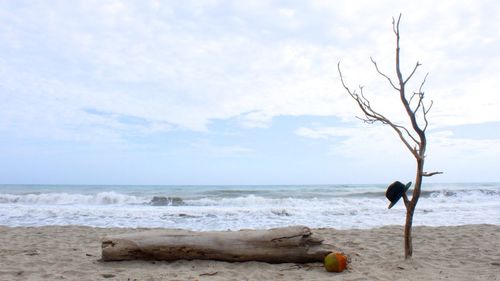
pixel 215 208
pixel 101 198
pixel 116 198
pixel 433 193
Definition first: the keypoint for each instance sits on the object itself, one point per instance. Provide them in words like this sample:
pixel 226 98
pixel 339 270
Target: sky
pixel 241 92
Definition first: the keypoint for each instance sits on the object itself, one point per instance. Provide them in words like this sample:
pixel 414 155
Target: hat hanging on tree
pixel 395 191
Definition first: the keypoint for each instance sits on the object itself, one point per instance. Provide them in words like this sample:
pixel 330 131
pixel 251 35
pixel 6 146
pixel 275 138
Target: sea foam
pixel 221 208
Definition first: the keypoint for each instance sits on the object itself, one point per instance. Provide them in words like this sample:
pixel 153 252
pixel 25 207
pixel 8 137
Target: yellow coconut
pixel 335 262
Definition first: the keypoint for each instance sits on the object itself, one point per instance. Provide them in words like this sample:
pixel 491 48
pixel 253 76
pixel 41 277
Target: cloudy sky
pixel 240 92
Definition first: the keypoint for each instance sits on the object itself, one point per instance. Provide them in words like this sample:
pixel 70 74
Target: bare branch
pixel 395 26
pixel 384 75
pixel 402 138
pixel 402 94
pixel 425 115
pixel 423 82
pixel 372 116
pixel 364 120
pixel 408 133
pixel 413 72
pixel 343 84
pixel 365 100
pixel 406 200
pixel 427 174
pixel 420 102
pixel 412 96
pixel 429 109
pixel 421 97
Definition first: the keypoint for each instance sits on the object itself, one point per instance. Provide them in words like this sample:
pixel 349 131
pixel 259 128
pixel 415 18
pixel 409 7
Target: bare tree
pixel 413 138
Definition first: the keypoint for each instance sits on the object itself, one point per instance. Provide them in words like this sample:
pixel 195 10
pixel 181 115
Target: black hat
pixel 395 191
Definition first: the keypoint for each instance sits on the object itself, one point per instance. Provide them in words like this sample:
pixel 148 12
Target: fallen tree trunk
pixel 279 245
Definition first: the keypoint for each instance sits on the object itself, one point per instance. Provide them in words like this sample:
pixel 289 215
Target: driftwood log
pixel 279 245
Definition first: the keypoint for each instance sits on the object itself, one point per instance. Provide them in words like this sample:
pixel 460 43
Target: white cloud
pixel 464 159
pixel 187 64
pixel 460 158
pixel 364 142
pixel 326 132
pixel 208 148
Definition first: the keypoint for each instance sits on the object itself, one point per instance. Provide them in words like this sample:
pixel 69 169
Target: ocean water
pixel 240 207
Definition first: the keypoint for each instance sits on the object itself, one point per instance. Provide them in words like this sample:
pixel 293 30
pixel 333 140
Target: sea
pixel 234 207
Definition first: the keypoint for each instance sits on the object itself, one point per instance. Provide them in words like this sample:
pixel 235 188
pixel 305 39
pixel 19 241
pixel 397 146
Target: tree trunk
pixel 410 208
pixel 407 234
pixel 295 244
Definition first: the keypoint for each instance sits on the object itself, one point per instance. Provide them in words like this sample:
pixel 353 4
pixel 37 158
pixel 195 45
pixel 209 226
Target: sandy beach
pixel 469 252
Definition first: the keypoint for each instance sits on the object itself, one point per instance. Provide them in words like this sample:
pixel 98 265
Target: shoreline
pixel 466 252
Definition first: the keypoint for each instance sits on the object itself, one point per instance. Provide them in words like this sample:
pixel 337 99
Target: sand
pixel 470 252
